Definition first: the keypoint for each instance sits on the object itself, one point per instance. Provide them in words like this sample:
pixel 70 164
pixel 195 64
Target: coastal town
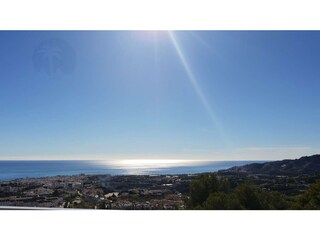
pixel 137 192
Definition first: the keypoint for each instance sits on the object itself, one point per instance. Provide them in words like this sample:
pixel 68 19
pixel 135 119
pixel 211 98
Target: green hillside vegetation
pixel 210 192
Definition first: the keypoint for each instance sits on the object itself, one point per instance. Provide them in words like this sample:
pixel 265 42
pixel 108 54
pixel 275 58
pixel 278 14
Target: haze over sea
pixel 12 169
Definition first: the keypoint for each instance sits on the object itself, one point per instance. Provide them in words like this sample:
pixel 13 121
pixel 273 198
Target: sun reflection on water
pixel 143 166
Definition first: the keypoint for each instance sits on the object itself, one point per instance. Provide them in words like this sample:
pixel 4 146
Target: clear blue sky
pixel 182 95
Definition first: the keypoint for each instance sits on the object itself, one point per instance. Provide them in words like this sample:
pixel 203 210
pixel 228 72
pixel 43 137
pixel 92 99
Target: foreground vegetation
pixel 212 192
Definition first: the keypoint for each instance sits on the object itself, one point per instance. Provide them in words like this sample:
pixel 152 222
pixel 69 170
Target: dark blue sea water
pixel 10 169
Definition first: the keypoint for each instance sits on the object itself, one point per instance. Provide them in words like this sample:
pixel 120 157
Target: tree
pixel 310 200
pixel 201 188
pixel 249 197
pixel 222 201
pixel 252 197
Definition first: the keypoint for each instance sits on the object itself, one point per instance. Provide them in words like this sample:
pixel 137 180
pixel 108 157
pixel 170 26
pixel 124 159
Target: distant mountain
pixel 303 165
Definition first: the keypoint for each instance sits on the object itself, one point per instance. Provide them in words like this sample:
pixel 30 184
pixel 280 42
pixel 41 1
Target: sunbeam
pixel 202 42
pixel 198 90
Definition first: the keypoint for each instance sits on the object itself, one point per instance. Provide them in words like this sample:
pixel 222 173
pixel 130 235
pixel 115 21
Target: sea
pixel 12 169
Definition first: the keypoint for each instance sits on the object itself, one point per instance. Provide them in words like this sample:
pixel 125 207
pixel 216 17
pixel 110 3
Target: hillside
pixel 303 165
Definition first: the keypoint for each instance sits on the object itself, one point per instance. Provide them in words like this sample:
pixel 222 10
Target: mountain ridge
pixel 303 165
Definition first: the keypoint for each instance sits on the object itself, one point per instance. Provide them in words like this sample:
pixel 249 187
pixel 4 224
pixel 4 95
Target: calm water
pixel 21 169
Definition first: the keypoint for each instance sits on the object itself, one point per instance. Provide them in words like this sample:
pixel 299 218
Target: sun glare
pixel 150 163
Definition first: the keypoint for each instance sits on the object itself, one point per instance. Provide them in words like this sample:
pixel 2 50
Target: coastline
pixel 10 170
pixel 169 191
